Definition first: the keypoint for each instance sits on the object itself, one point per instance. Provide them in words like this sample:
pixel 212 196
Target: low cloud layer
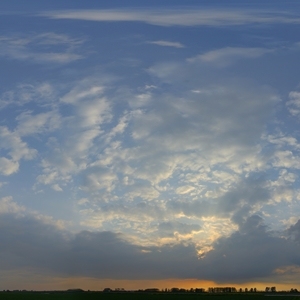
pixel 250 253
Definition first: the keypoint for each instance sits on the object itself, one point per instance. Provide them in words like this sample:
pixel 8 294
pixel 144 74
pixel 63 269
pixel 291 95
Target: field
pixel 144 296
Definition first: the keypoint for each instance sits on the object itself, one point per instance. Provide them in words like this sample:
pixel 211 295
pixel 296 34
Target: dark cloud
pixel 249 253
pixel 107 255
pixel 294 232
pixel 28 242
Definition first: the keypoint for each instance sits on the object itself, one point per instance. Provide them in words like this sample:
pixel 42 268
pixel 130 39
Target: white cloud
pixel 141 190
pixel 31 124
pixel 167 44
pixel 119 128
pixel 202 144
pixel 41 48
pixel 178 17
pixel 81 93
pixel 225 56
pixel 218 125
pixel 294 103
pixel 282 188
pixel 282 140
pixel 94 112
pixel 47 178
pixel 16 150
pixel 81 142
pixel 57 188
pixel 42 94
pixel 88 110
pixel 98 178
pixel 83 201
pixel 140 101
pixel 185 189
pixel 133 154
pixel 91 107
pixel 286 159
pixel 8 206
pixel 53 57
pixel 8 166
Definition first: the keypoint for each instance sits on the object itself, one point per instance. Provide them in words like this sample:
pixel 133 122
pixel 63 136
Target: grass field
pixel 144 296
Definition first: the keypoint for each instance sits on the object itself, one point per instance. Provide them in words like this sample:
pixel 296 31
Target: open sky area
pixel 148 143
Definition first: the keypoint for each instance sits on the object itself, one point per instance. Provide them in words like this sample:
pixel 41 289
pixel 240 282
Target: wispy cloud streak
pixel 40 48
pixel 167 44
pixel 176 17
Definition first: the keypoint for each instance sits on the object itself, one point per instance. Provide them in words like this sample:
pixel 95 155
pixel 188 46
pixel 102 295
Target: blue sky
pixel 149 143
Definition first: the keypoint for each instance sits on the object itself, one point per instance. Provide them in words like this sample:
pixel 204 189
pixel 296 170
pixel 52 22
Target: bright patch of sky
pixel 163 138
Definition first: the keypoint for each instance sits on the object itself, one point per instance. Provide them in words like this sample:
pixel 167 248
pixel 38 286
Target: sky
pixel 149 144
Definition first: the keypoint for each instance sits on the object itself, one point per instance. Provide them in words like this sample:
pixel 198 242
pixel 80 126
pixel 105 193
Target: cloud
pixel 86 111
pixel 286 159
pixel 80 93
pixel 41 94
pixel 98 178
pixel 225 56
pixel 184 189
pixel 294 231
pixel 151 152
pixel 57 188
pixel 294 103
pixel 170 169
pixel 15 149
pixel 171 156
pixel 281 140
pixel 178 17
pixel 236 202
pixel 167 44
pixel 8 206
pixel 250 253
pixel 31 124
pixel 173 228
pixel 218 122
pixel 8 166
pixel 27 242
pixel 41 48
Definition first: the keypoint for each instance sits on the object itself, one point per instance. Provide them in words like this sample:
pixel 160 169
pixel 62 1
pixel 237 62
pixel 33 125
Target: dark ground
pixel 144 296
